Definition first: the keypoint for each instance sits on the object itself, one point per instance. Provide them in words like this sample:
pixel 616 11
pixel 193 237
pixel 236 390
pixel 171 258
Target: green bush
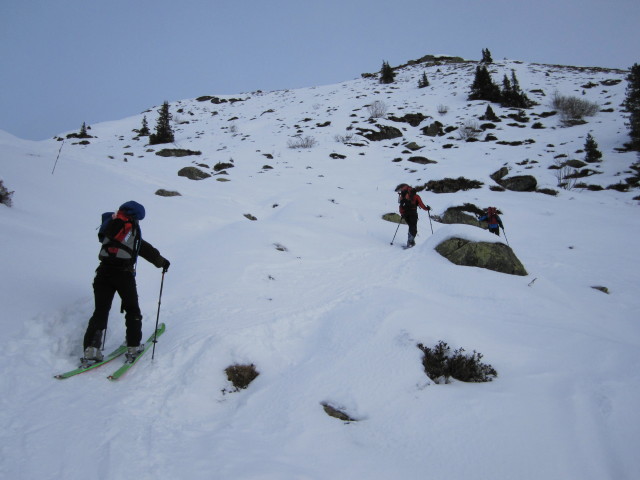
pixel 440 365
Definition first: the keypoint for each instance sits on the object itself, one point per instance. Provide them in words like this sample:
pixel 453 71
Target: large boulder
pixel 520 183
pixel 492 256
pixel 465 215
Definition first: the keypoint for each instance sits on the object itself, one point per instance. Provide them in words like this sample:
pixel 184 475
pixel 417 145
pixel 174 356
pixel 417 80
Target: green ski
pixel 147 345
pixel 81 369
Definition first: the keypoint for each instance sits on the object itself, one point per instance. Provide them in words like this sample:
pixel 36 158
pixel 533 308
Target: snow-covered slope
pixel 313 294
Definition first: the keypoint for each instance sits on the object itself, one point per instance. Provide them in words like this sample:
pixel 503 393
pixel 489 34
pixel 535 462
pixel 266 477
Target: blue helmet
pixel 133 210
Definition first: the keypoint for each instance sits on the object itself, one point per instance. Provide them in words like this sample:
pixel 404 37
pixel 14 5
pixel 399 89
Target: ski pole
pixel 430 224
pixel 55 164
pixel 155 334
pixel 394 235
pixel 505 237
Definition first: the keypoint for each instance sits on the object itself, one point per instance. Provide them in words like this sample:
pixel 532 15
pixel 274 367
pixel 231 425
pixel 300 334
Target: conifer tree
pixel 5 195
pixel 144 130
pixel 483 87
pixel 83 131
pixel 387 74
pixel 511 95
pixel 424 81
pixel 164 132
pixel 592 155
pixel 490 115
pixel 486 56
pixel 632 104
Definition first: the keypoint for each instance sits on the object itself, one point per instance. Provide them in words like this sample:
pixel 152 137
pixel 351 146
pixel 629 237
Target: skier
pixel 409 202
pixel 122 242
pixel 493 219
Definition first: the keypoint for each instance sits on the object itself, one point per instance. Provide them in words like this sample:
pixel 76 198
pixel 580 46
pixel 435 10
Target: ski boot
pixel 132 353
pixel 91 356
pixel 411 241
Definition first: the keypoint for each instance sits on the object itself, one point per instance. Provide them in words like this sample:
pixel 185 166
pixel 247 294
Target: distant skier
pixel 122 242
pixel 409 202
pixel 493 220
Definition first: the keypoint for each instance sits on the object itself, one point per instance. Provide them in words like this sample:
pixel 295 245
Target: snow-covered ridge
pixel 334 316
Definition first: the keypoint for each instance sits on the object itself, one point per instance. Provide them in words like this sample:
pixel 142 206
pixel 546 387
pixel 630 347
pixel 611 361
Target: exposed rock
pixel 520 183
pixel 451 185
pixel 575 163
pixel 433 130
pixel 336 413
pixel 385 133
pixel 193 173
pixel 393 217
pixel 167 193
pixel 280 247
pixel 222 166
pixel 465 215
pixel 499 175
pixel 413 119
pixel 177 152
pixel 421 160
pixel 492 256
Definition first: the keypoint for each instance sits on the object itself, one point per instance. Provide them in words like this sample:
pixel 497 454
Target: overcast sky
pixel 65 62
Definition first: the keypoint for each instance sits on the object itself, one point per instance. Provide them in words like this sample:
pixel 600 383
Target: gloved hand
pixel 165 265
pixel 428 208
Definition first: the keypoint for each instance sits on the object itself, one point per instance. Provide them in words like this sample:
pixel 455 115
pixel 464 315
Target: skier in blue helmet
pixel 122 243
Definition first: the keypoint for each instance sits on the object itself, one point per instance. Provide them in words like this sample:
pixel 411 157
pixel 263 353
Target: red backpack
pixel 492 216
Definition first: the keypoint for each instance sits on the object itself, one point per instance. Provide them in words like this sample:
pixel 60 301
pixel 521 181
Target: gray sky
pixel 64 62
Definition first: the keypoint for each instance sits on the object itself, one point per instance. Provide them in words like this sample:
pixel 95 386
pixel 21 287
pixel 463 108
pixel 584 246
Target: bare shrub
pixel 565 175
pixel 573 109
pixel 443 109
pixel 302 142
pixel 377 109
pixel 469 130
pixel 346 138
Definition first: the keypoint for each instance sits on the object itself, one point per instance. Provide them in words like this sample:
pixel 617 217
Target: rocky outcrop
pixel 518 183
pixel 492 256
pixel 413 119
pixel 385 133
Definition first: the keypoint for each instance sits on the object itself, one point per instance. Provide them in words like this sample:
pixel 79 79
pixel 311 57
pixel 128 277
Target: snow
pixel 337 314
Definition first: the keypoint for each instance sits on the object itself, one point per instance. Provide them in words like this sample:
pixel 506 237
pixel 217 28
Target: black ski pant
pixel 412 221
pixel 107 282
